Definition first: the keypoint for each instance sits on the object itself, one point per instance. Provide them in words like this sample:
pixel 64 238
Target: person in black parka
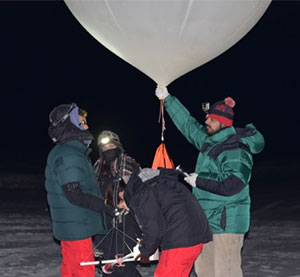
pixel 170 218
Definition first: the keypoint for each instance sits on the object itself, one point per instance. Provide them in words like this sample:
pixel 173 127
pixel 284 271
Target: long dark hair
pixel 107 178
pixel 110 192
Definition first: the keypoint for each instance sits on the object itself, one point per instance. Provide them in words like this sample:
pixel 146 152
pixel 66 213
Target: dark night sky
pixel 47 59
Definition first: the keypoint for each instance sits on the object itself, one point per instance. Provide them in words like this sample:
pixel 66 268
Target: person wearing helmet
pixel 113 170
pixel 221 179
pixel 73 195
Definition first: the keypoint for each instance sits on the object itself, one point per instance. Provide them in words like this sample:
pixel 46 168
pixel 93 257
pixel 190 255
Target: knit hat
pixel 106 137
pixel 222 111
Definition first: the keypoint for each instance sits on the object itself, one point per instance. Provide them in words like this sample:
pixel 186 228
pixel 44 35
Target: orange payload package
pixel 161 158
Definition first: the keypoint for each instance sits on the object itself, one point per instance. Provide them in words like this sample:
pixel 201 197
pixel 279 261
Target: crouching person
pixel 169 217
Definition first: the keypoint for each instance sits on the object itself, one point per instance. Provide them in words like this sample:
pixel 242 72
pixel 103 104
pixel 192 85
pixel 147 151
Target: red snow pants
pixel 177 262
pixel 75 252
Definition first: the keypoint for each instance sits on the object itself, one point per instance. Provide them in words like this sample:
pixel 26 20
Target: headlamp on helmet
pixel 105 140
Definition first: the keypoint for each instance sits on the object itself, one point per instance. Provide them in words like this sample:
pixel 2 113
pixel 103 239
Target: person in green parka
pixel 76 205
pixel 220 181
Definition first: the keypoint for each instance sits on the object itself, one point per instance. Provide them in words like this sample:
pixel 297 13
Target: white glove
pixel 191 179
pixel 161 92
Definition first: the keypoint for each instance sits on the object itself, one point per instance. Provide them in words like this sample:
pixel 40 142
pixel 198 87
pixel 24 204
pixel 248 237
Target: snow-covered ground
pixel 27 247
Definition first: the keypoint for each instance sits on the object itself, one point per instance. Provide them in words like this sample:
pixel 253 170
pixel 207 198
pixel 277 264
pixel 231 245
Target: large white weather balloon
pixel 167 38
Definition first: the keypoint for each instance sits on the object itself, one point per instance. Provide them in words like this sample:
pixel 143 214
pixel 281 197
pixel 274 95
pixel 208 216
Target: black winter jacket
pixel 167 213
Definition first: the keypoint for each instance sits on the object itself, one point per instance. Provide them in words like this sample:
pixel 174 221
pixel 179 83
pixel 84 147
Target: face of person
pixel 83 122
pixel 212 126
pixel 122 204
pixel 108 146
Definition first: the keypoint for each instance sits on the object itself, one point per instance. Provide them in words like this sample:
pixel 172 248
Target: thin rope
pixel 85 259
pixel 115 200
pixel 162 118
pixel 117 232
pixel 124 228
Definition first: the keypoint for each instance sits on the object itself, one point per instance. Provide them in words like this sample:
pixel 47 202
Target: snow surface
pixel 27 247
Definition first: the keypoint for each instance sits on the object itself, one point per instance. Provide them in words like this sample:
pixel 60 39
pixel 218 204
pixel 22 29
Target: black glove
pixel 143 259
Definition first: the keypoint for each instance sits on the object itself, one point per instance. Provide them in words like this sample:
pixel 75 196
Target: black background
pixel 48 58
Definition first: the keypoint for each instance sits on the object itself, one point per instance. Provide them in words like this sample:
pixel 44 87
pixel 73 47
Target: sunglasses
pixel 82 122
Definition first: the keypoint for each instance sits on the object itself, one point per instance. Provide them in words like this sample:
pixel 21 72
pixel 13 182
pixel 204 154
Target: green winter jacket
pixel 224 161
pixel 67 163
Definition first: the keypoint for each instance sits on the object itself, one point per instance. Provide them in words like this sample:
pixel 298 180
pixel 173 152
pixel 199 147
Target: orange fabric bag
pixel 161 158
